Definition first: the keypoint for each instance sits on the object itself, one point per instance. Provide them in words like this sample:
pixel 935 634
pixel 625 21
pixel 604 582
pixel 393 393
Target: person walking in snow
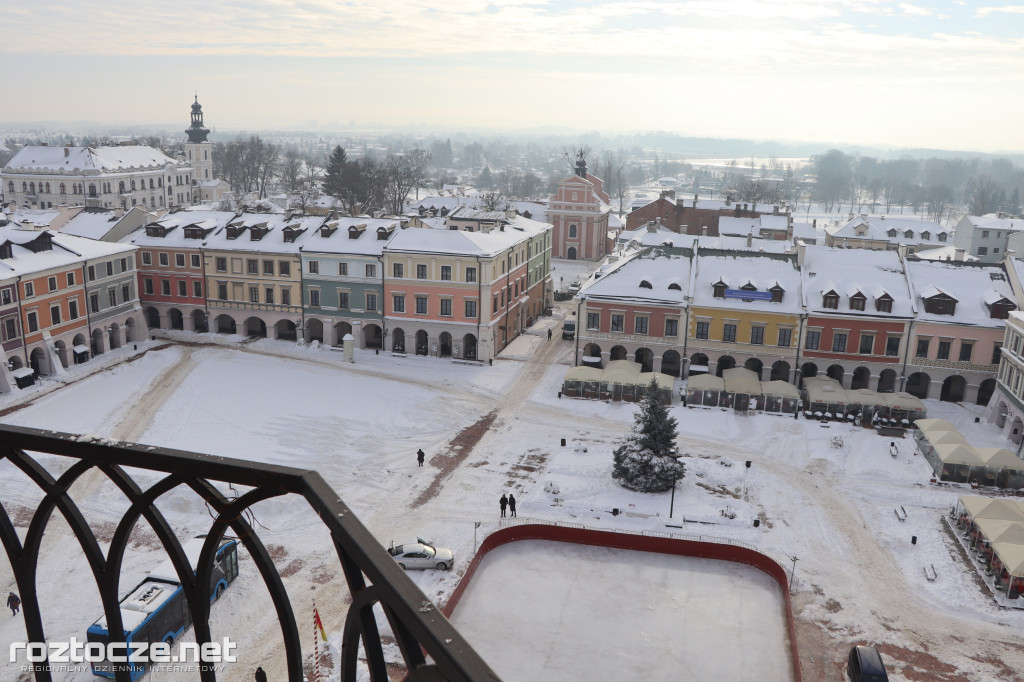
pixel 503 502
pixel 14 602
pixel 549 335
pixel 420 456
pixel 511 504
pixel 260 675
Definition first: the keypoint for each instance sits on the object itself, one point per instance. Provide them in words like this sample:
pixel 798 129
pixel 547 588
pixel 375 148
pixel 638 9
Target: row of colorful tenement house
pixel 868 319
pixel 463 292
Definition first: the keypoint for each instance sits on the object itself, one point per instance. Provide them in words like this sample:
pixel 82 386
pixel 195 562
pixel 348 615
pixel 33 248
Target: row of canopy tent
pixel 739 388
pixel 994 528
pixel 825 398
pixel 953 459
pixel 619 380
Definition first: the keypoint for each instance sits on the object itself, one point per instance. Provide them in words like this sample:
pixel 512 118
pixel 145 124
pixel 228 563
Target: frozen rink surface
pixel 542 610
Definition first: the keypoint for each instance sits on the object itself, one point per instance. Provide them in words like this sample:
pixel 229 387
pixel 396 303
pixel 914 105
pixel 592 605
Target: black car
pixel 865 665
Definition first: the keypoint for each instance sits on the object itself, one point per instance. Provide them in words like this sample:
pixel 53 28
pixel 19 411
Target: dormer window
pixel 940 304
pixel 892 233
pixel 291 233
pixel 883 303
pixel 354 231
pixel 857 301
pixel 777 293
pixel 383 233
pixel 830 300
pixel 328 229
pixel 719 289
pixel 942 236
pixel 909 234
pixel 675 287
pixel 926 235
pixel 644 284
pixel 257 233
pixel 1000 310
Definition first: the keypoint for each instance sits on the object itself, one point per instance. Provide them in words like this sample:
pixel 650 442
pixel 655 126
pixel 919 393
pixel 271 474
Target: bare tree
pixel 403 172
pixel 291 169
pixel 983 191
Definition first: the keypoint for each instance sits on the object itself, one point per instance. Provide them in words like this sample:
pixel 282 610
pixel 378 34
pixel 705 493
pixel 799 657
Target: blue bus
pixel 156 610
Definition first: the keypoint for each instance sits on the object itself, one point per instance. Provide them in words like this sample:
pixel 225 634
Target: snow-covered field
pixel 858 577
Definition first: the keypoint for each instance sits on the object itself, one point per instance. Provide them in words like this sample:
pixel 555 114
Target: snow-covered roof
pixel 466 213
pixel 36 216
pixel 93 223
pixel 658 236
pixel 879 228
pixel 737 269
pixel 992 221
pixel 739 243
pixel 270 228
pixel 335 236
pixel 845 271
pixel 656 275
pixel 66 250
pixel 944 253
pixel 174 224
pixel 79 160
pixel 456 241
pixel 974 287
pixel 536 210
pixel 731 225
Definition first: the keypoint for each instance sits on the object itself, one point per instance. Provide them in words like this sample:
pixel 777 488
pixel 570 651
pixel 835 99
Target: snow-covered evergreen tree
pixel 646 459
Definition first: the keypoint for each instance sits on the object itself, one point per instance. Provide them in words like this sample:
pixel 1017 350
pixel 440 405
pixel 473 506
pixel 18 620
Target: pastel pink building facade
pixel 952 362
pixel 579 214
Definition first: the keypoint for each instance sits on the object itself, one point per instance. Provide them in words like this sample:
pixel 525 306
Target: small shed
pixel 24 377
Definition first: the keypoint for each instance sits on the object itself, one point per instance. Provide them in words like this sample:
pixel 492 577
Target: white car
pixel 422 555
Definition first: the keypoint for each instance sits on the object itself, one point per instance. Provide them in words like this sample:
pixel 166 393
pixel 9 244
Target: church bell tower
pixel 198 150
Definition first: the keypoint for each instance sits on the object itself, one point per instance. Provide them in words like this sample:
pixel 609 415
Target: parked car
pixel 422 554
pixel 865 665
pixel 569 329
pixel 575 287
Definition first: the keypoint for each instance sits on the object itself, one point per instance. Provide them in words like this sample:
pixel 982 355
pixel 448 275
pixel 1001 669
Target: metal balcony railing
pixel 431 647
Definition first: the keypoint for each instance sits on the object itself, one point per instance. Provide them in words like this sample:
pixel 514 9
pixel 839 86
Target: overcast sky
pixel 936 74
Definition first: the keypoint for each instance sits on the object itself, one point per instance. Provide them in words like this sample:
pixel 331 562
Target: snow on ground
pixel 858 577
pixel 657 616
pixel 565 272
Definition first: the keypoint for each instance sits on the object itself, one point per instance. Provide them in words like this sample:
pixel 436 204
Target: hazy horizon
pixel 941 75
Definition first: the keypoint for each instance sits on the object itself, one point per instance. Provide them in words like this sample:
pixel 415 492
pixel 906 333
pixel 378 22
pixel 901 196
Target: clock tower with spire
pixel 198 150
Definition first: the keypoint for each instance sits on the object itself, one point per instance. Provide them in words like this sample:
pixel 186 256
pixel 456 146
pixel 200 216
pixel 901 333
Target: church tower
pixel 198 151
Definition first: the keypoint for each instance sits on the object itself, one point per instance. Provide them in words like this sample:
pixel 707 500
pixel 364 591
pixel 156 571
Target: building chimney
pixel 814 223
pixel 67 152
pixel 750 238
pixel 775 209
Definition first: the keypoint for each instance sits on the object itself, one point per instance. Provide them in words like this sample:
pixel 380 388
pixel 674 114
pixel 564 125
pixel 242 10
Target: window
pixel 671 327
pixel 785 337
pixel 268 267
pixel 343 300
pixel 197 289
pixel 51 283
pixel 268 295
pixel 640 325
pixel 165 287
pixel 471 309
pixel 6 297
pixel 398 270
pixel 421 271
pixel 286 296
pixel 314 267
pixel 252 266
pixel 729 333
pixel 757 336
pixel 703 330
pixel 984 234
pixel 112 297
pixel 892 346
pixel 222 264
pixel 314 298
pixel 867 344
pixel 33 322
pixel 719 289
pixel 182 288
pixel 966 349
pixel 164 260
pixel 254 294
pixel 398 303
pixel 593 320
pixel 371 301
pixel 617 322
pixel 147 258
pixel 495 304
pixel 126 293
pixel 883 304
pixel 813 340
pixel 72 310
pixel 922 348
pixel 222 291
pixel 54 314
pixel 446 273
pixel 857 302
pixel 421 305
pixel 446 307
pixel 830 300
pixel 982 250
pixel 179 260
pixel 944 347
pixel 10 326
pixel 572 232
pixel 838 343
pixel 777 294
pixel 371 270
pixel 147 286
pixel 942 236
pixel 470 274
pixel 997 352
pixel 196 262
pixel 284 268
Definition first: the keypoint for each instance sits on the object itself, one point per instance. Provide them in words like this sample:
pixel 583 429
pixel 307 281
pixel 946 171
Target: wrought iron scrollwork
pixel 430 646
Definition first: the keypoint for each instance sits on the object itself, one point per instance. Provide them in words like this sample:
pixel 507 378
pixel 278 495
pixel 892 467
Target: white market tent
pixel 620 380
pixel 995 529
pixel 953 459
pixel 740 387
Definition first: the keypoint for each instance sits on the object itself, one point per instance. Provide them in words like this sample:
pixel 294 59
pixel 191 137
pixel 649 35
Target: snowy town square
pixel 852 517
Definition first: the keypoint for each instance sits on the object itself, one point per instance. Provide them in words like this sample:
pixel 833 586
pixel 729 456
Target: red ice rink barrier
pixel 640 543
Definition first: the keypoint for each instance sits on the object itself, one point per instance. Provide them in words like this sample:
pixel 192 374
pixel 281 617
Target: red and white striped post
pixel 317 627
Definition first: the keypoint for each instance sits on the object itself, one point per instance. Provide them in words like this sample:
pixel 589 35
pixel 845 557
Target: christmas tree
pixel 646 459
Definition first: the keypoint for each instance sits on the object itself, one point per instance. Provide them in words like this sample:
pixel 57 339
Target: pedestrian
pixel 511 504
pixel 549 335
pixel 504 503
pixel 260 675
pixel 420 456
pixel 14 603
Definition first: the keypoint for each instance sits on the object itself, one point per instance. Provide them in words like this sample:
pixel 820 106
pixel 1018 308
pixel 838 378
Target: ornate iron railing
pixel 431 647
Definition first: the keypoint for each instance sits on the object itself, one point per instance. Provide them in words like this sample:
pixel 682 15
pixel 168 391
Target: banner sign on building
pixel 748 295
